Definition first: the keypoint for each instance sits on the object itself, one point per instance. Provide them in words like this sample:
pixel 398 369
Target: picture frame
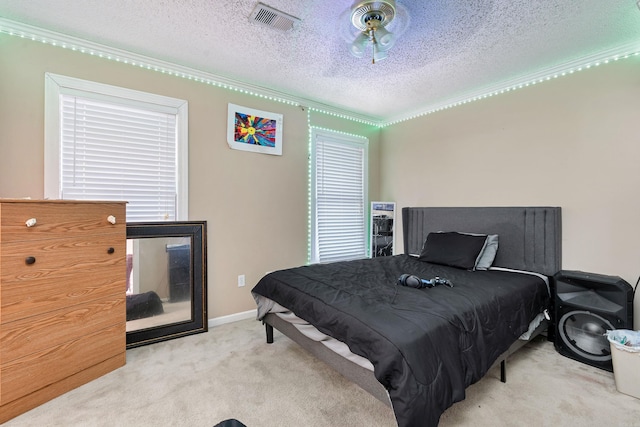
pixel 249 129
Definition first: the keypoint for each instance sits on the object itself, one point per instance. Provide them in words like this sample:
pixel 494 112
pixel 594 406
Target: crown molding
pixel 76 44
pixel 567 68
pixel 37 34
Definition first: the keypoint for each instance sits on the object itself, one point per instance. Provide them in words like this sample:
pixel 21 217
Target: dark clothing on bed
pixel 426 345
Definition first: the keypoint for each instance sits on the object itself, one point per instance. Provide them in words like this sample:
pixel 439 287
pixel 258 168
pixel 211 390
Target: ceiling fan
pixel 371 18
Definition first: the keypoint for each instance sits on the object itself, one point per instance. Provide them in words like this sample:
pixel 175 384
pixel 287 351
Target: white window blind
pixel 340 197
pixel 104 142
pixel 114 152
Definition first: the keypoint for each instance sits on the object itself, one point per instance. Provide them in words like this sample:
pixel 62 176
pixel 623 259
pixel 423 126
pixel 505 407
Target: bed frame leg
pixel 503 371
pixel 269 330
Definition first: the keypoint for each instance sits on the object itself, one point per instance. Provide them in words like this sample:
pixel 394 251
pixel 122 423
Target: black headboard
pixel 530 238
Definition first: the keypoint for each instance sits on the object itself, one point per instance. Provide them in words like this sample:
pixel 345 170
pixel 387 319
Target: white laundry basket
pixel 625 354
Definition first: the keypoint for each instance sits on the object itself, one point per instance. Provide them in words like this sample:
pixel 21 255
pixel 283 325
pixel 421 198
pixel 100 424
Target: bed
pixel 419 348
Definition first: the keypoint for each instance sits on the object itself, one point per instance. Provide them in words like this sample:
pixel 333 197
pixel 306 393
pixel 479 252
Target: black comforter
pixel 426 345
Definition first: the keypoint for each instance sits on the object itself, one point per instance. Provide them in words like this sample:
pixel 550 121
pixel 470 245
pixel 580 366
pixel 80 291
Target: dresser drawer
pixel 37 333
pixel 64 273
pixel 59 220
pixel 19 302
pixel 55 258
pixel 40 369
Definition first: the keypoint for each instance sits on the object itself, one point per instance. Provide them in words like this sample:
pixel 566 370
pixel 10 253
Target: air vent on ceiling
pixel 273 18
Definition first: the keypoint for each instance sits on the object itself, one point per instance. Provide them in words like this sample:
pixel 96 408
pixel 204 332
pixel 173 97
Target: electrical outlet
pixel 241 280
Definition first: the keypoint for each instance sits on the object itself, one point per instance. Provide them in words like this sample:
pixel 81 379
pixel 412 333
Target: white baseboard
pixel 217 321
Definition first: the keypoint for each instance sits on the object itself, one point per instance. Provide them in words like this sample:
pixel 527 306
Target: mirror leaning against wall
pixel 166 281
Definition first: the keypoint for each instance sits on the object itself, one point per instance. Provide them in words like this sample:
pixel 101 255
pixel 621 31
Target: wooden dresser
pixel 62 298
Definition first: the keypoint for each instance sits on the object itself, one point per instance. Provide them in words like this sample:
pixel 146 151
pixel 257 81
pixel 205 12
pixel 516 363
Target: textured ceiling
pixel 446 49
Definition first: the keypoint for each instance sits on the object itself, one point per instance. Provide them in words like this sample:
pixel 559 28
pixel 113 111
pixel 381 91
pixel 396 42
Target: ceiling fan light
pixel 384 37
pixel 371 17
pixel 357 50
pixel 359 44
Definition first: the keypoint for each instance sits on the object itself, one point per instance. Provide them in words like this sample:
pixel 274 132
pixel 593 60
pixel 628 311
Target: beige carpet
pixel 230 372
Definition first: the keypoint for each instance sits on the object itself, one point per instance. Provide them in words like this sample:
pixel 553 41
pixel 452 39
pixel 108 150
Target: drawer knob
pixel 111 219
pixel 30 260
pixel 110 250
pixel 30 222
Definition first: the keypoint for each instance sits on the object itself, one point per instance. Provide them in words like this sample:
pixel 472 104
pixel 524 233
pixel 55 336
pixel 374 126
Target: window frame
pixel 339 138
pixel 57 85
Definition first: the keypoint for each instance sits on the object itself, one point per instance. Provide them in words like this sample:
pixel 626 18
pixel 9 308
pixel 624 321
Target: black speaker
pixel 586 305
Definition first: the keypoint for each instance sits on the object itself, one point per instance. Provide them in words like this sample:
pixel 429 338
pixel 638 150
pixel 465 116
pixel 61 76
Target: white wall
pixel 572 142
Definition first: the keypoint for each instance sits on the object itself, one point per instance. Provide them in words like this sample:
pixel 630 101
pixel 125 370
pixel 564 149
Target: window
pixel 339 196
pixel 108 143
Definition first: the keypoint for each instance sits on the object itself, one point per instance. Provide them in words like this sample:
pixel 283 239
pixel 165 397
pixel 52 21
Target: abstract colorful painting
pixel 254 130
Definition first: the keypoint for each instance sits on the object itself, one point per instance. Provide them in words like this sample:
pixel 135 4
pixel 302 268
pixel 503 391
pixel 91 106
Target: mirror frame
pixel 197 231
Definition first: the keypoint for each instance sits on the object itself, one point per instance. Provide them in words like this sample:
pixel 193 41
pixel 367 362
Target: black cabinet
pixel 179 272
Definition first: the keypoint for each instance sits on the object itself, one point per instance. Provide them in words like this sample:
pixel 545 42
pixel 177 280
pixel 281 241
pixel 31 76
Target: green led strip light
pixel 515 86
pixel 310 187
pixel 77 45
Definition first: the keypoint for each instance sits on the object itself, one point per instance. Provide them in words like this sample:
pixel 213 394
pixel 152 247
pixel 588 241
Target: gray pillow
pixel 488 253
